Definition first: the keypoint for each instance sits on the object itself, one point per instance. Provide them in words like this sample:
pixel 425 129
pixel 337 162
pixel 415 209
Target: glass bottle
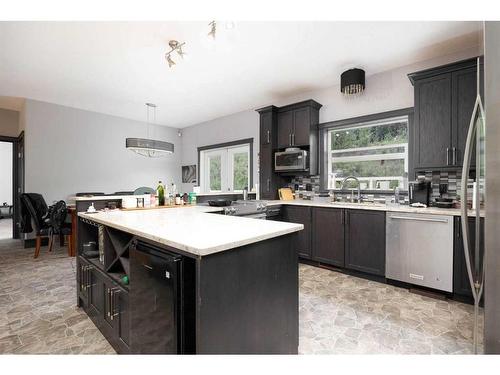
pixel 160 191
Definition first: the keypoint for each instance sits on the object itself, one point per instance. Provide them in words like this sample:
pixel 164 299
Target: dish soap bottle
pixel 160 191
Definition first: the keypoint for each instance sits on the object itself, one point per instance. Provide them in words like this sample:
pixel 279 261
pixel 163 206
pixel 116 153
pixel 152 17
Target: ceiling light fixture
pixel 213 29
pixel 149 147
pixel 352 82
pixel 175 46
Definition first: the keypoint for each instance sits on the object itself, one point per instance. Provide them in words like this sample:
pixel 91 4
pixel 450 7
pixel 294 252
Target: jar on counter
pixel 178 199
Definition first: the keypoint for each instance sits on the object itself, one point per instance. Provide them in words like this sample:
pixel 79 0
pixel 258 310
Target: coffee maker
pixel 419 192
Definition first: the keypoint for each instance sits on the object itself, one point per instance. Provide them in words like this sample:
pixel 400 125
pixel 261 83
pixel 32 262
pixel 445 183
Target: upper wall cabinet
pixel 298 124
pixel 444 101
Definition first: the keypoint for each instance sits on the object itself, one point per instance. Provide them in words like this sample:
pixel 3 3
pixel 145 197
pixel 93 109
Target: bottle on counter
pixel 185 198
pixel 160 191
pixel 178 199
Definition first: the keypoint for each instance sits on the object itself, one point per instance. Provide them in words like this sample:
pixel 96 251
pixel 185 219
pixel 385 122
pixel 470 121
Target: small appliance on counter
pixel 419 192
pixel 443 201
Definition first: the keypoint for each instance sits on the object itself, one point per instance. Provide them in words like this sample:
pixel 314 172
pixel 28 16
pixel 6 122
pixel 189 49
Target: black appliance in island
pixel 161 322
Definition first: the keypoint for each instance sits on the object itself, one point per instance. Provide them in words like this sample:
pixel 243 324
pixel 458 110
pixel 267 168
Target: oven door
pixel 290 161
pixel 261 216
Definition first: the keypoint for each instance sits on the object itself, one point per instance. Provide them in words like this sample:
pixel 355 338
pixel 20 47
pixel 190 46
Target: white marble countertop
pixel 325 202
pixel 193 229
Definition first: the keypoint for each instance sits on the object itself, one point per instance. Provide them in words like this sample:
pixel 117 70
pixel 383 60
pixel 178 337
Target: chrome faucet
pixel 352 191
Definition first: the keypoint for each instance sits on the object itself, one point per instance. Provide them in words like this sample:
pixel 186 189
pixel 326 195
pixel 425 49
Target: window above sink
pixel 376 152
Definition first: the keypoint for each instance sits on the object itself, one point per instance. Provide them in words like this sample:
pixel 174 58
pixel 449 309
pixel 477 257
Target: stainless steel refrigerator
pixel 492 221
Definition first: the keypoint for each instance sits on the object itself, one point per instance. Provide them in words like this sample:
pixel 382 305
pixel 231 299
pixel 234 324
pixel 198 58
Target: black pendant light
pixel 352 81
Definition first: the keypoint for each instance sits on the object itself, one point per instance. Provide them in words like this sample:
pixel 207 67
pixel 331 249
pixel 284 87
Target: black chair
pixel 35 211
pixel 59 226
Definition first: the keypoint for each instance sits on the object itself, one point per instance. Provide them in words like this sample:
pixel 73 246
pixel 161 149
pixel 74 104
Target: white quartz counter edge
pixel 193 230
pixel 386 208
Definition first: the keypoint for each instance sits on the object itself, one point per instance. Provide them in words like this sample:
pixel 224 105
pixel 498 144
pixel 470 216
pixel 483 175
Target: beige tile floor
pixel 338 313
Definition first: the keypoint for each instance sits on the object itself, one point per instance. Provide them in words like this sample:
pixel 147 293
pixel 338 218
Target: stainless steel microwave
pixel 292 159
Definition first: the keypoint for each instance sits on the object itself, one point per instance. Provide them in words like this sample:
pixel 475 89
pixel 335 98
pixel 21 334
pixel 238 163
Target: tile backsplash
pixel 451 178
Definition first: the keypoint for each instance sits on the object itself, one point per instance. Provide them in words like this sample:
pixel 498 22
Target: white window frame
pixel 227 167
pixel 393 156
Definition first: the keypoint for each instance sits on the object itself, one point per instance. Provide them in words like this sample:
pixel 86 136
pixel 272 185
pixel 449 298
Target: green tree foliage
pixel 240 172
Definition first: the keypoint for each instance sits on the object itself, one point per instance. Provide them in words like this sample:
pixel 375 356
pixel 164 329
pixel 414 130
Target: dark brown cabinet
pixel 105 302
pixel 365 241
pixel 328 236
pixel 285 129
pixel 461 284
pixel 444 101
pixel 300 215
pixel 269 182
pixel 297 124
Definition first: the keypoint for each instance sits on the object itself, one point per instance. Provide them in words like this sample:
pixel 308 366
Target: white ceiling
pixel 115 67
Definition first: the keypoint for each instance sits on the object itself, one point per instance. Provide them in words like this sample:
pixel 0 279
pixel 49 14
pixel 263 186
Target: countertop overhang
pixel 195 229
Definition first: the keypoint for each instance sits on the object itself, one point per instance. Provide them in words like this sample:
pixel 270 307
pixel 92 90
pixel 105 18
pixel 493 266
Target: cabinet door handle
pixel 268 185
pixel 268 137
pixel 114 313
pixel 447 156
pixel 342 217
pixel 290 139
pixel 454 157
pixel 88 284
pixel 293 139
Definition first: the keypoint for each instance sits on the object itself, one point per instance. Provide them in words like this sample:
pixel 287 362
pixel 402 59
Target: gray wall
pixel 384 92
pixel 5 172
pixel 492 107
pixel 70 150
pixel 9 123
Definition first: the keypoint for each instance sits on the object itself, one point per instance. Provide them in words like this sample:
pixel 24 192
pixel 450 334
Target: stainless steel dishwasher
pixel 419 249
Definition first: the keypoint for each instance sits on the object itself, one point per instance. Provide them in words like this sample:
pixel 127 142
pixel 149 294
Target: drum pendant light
pixel 352 82
pixel 149 147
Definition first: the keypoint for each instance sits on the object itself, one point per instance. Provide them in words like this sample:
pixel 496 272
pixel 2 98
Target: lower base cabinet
pixel 106 303
pixel 365 241
pixel 352 239
pixel 300 215
pixel 328 236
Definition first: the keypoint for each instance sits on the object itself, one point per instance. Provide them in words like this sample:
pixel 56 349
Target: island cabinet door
pixel 122 317
pixel 95 288
pixel 300 215
pixel 365 241
pixel 82 276
pixel 328 236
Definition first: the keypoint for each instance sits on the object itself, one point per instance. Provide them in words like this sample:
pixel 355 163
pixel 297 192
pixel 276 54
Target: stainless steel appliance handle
pixel 447 156
pixel 268 185
pixel 293 139
pixel 454 156
pixel 108 295
pixel 268 136
pixel 414 218
pixel 290 139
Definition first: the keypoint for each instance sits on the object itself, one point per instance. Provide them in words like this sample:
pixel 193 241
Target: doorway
pixel 11 184
pixel 6 186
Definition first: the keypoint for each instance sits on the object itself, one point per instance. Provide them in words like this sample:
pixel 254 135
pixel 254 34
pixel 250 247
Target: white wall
pixel 384 92
pixel 9 123
pixel 70 150
pixel 5 173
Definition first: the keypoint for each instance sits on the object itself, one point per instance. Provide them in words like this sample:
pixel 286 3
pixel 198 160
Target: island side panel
pixel 248 299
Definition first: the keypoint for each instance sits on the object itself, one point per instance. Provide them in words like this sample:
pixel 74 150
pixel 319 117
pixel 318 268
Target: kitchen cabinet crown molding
pixel 448 68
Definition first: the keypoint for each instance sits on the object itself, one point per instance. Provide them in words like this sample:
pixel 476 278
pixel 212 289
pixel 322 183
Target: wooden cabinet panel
pixel 365 241
pixel 122 311
pixel 328 236
pixel 266 128
pixel 432 135
pixel 300 215
pixel 95 294
pixel 464 92
pixel 301 126
pixel 285 129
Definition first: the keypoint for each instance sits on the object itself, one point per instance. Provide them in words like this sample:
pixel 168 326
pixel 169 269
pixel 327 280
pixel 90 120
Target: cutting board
pixel 285 194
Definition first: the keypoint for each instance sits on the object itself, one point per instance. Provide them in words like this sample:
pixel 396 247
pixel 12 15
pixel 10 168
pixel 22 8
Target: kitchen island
pixel 188 280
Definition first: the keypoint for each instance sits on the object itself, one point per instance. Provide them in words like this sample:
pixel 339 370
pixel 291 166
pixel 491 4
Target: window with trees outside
pixel 375 152
pixel 225 169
